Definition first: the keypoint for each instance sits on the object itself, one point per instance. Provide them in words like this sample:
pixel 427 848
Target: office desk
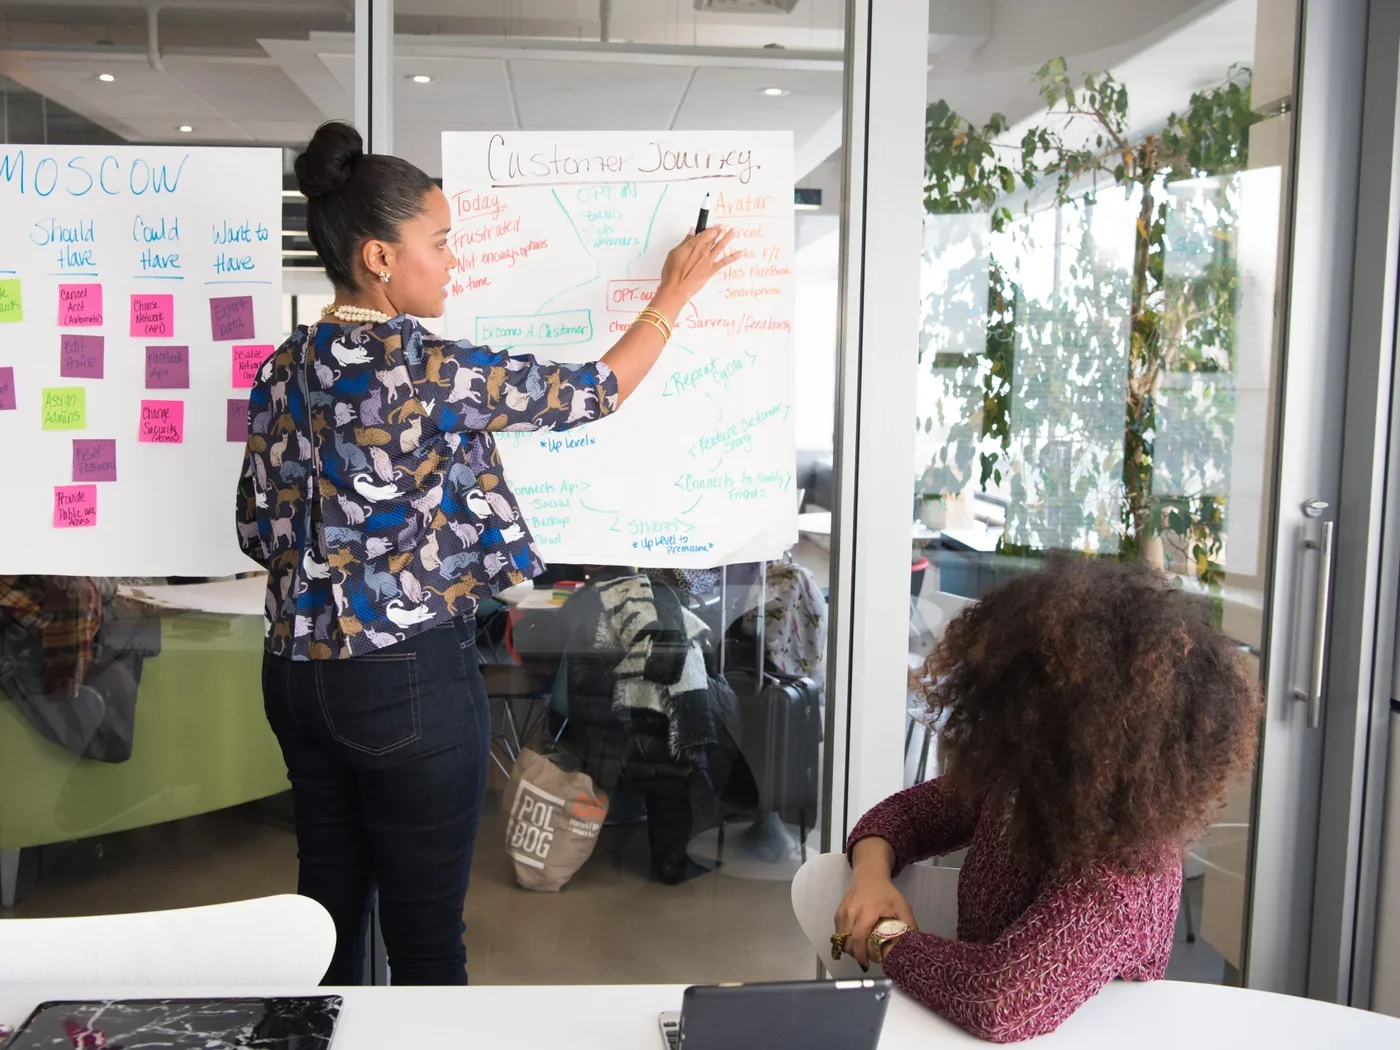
pixel 611 1017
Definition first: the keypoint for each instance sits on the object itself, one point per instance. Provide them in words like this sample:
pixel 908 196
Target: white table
pixel 244 596
pixel 818 523
pixel 611 1017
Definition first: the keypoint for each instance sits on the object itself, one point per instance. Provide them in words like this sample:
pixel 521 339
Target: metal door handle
pixel 1321 614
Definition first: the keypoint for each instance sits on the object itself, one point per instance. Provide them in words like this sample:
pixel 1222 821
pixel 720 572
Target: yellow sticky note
pixel 65 408
pixel 11 305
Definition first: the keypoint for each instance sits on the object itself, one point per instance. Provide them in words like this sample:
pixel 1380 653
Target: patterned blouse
pixel 1029 951
pixel 396 516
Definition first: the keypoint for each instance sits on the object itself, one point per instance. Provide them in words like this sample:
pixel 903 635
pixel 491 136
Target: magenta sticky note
pixel 94 459
pixel 237 420
pixel 79 305
pixel 7 389
pixel 232 317
pixel 246 362
pixel 74 506
pixel 80 356
pixel 162 422
pixel 152 316
pixel 167 368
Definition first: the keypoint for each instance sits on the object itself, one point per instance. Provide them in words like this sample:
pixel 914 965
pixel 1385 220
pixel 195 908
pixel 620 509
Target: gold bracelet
pixel 644 319
pixel 656 314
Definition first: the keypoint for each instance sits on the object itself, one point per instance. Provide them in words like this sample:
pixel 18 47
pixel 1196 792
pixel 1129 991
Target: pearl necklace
pixel 355 314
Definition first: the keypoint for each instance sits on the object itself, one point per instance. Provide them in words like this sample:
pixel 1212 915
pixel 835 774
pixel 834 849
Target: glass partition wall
pixel 1098 358
pixel 1120 249
pixel 137 770
pixel 1047 260
pixel 690 877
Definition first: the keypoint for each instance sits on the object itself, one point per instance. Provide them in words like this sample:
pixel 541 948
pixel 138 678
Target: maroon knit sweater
pixel 1029 951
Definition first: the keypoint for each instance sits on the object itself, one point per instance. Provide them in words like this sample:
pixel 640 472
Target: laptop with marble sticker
pixel 182 1024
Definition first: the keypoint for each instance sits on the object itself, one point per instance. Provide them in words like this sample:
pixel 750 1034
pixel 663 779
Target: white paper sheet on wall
pixel 561 238
pixel 140 288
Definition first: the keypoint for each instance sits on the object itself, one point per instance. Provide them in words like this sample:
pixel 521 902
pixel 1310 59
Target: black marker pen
pixel 704 219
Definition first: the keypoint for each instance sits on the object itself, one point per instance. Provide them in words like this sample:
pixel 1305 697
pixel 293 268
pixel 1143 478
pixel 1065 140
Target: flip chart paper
pixel 86 233
pixel 560 239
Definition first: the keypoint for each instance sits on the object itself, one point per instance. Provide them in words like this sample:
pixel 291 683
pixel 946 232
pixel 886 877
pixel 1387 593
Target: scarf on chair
pixel 663 664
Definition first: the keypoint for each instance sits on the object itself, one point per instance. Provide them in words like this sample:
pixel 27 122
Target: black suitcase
pixel 781 736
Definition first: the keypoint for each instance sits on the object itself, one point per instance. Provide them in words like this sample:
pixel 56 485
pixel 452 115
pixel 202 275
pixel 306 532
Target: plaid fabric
pixel 66 611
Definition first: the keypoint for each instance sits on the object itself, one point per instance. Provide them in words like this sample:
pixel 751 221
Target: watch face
pixel 890 927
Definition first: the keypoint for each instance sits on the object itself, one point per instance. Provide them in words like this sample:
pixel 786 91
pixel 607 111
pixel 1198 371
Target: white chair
pixel 817 889
pixel 272 942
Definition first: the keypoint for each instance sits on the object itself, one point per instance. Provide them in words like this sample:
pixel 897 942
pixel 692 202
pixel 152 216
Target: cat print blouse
pixel 372 489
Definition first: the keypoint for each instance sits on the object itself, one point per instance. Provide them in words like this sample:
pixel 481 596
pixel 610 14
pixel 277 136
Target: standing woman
pixel 373 493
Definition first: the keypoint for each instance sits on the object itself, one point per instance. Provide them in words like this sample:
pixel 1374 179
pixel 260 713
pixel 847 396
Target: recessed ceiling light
pixel 774 92
pixel 106 78
pixel 421 78
pixel 185 128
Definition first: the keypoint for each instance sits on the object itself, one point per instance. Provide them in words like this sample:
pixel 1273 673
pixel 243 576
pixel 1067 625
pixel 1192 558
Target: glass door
pixel 1120 305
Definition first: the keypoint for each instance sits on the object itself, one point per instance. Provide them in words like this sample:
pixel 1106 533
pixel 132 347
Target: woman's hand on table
pixel 870 897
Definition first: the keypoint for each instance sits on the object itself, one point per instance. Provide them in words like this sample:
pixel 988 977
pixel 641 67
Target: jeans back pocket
pixel 370 703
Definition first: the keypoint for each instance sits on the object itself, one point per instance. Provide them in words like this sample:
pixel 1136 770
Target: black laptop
pixel 833 1015
pixel 182 1024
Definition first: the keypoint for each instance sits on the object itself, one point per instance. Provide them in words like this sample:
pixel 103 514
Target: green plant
pixel 1059 354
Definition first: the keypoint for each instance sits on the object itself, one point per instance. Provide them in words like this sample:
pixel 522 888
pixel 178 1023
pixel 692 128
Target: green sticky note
pixel 11 305
pixel 65 408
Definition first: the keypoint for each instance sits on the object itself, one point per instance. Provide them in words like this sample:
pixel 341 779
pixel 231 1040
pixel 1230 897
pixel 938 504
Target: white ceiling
pixel 269 71
pixel 281 95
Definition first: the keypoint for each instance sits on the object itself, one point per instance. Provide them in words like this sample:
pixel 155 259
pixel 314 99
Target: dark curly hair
pixel 1097 705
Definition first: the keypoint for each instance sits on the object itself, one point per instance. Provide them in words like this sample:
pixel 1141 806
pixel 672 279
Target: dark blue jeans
pixel 387 757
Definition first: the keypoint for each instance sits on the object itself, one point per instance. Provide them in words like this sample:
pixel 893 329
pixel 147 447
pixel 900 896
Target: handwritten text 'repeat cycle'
pixel 667 160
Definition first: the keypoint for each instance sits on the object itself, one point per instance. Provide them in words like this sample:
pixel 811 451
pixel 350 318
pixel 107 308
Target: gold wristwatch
pixel 884 936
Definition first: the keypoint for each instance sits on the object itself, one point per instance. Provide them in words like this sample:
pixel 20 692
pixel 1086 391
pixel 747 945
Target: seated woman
pixel 1092 719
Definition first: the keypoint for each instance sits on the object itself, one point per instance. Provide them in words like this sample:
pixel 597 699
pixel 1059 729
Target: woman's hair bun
pixel 328 161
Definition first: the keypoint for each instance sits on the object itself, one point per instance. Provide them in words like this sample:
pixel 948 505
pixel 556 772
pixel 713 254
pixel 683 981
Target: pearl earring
pixel 384 276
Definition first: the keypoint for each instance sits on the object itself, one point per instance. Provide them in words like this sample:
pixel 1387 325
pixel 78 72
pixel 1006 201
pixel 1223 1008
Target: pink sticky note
pixel 74 506
pixel 79 305
pixel 152 316
pixel 94 460
pixel 232 317
pixel 246 362
pixel 167 368
pixel 237 420
pixel 162 422
pixel 80 356
pixel 7 389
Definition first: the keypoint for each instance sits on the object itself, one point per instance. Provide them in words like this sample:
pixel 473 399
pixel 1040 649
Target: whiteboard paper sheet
pixel 136 283
pixel 561 237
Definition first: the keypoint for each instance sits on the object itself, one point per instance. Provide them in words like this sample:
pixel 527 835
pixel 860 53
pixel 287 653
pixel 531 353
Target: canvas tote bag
pixel 555 817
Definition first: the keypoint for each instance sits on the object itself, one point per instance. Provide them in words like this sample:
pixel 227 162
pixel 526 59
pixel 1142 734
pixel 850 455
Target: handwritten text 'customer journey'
pixel 560 238
pixel 140 289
